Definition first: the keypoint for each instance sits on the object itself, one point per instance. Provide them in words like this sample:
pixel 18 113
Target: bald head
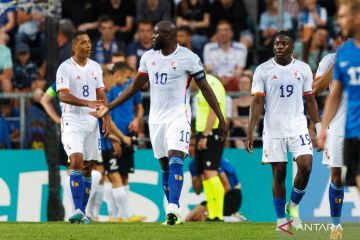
pixel 165 35
pixel 167 27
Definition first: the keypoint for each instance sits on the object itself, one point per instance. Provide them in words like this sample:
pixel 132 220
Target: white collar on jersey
pixel 274 62
pixel 73 60
pixel 177 49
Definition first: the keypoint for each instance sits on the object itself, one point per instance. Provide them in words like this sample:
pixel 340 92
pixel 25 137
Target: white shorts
pixel 276 149
pixel 333 155
pixel 85 142
pixel 170 136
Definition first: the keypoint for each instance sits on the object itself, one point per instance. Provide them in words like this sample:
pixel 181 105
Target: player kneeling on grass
pixel 280 84
pixel 79 82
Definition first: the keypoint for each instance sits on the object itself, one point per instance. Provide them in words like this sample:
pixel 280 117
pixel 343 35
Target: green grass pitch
pixel 155 231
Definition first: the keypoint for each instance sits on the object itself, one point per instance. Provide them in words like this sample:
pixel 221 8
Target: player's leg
pixel 164 165
pixel 87 178
pixel 352 162
pixel 96 176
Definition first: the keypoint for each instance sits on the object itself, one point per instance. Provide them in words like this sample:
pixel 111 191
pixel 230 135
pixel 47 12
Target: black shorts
pixel 210 158
pixel 352 160
pixel 126 161
pixel 232 202
pixel 110 161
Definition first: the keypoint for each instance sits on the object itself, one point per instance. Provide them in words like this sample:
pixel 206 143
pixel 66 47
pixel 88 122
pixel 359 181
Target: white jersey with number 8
pixel 283 88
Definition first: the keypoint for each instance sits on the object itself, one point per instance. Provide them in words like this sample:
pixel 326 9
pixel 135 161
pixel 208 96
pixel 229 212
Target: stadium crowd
pixel 228 36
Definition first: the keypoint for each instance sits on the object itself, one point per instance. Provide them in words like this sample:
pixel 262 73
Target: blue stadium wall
pixel 24 185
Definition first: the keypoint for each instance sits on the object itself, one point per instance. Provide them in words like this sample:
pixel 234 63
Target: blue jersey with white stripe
pixel 347 71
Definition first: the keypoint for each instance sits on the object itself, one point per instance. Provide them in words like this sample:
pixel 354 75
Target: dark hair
pixel 185 29
pixel 119 66
pixel 118 54
pixel 145 22
pixel 76 35
pixel 105 18
pixel 283 33
pixel 221 22
pixel 307 45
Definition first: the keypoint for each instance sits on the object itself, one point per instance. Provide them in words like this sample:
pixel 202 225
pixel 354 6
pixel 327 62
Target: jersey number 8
pixel 86 90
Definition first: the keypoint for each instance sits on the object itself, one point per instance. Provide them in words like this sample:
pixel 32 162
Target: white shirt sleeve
pixel 62 78
pixel 308 79
pixel 242 57
pixel 258 85
pixel 100 81
pixel 324 65
pixel 142 65
pixel 195 64
pixel 207 56
pixel 323 14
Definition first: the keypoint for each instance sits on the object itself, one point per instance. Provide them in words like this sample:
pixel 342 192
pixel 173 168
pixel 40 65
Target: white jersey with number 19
pixel 283 88
pixel 169 78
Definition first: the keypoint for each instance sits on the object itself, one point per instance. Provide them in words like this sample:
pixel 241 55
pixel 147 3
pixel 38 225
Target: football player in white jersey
pixel 81 88
pixel 280 84
pixel 169 68
pixel 333 152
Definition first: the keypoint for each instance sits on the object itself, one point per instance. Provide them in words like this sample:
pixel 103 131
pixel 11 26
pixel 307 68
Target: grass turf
pixel 155 231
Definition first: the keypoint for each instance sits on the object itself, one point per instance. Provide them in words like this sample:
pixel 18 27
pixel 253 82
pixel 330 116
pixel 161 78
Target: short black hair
pixel 105 18
pixel 185 29
pixel 145 21
pixel 119 66
pixel 284 33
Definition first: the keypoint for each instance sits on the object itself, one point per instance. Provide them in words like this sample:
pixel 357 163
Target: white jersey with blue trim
pixel 283 88
pixel 169 78
pixel 337 124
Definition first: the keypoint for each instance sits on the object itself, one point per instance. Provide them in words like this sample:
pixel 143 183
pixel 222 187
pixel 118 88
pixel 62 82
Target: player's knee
pixel 305 170
pixel 279 176
pixel 336 177
pixel 164 164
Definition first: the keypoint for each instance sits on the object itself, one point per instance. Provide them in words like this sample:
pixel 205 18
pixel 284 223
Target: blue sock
pixel 175 179
pixel 165 183
pixel 279 204
pixel 336 196
pixel 87 191
pixel 77 188
pixel 297 195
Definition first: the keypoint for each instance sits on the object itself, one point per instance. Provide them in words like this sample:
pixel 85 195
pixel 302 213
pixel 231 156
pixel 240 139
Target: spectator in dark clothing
pixel 123 14
pixel 24 69
pixel 9 111
pixel 4 134
pixel 66 30
pixel 184 38
pixel 154 10
pixel 135 50
pixel 233 11
pixel 7 16
pixel 195 14
pixel 107 44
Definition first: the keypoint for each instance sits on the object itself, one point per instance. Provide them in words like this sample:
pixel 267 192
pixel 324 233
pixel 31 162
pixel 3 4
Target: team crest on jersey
pixel 174 65
pixel 297 75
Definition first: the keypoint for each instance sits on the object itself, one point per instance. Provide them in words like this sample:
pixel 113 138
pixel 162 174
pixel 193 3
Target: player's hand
pixel 127 141
pixel 249 144
pixel 134 125
pixel 321 139
pixel 117 149
pixel 106 127
pixel 202 144
pixel 101 110
pixel 223 131
pixel 95 104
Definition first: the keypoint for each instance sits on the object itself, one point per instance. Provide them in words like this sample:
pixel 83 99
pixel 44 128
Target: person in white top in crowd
pixel 280 84
pixel 169 69
pixel 79 83
pixel 225 58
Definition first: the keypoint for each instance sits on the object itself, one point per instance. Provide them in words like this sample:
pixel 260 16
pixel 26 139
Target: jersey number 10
pixel 160 78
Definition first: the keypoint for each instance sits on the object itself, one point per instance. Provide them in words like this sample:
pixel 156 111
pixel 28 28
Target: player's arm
pixel 106 127
pixel 312 108
pixel 256 108
pixel 209 126
pixel 321 83
pixel 47 102
pixel 135 124
pixel 331 107
pixel 118 133
pixel 66 97
pixel 225 181
pixel 210 97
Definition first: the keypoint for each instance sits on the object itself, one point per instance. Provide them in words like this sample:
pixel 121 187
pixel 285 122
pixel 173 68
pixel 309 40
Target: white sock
pixel 109 199
pixel 98 200
pixel 68 193
pixel 121 200
pixel 96 177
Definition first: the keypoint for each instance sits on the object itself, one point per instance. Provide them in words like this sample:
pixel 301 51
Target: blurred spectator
pixel 233 11
pixel 184 38
pixel 136 49
pixel 107 44
pixel 24 69
pixel 7 16
pixel 5 142
pixel 292 8
pixel 241 110
pixel 225 58
pixel 30 18
pixel 195 14
pixel 154 10
pixel 9 111
pixel 84 14
pixel 118 57
pixel 269 22
pixel 6 64
pixel 311 17
pixel 64 35
pixel 313 51
pixel 123 14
